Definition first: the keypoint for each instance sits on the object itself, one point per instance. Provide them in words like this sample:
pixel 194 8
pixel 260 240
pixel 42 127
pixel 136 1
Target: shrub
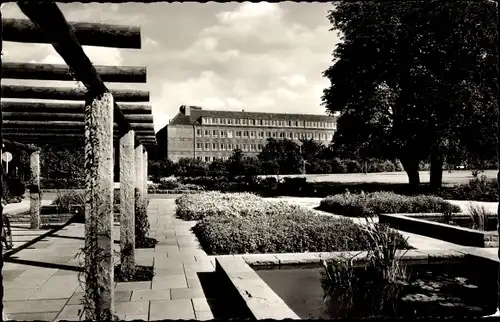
pixel 293 185
pixel 65 200
pixel 338 166
pixel 268 183
pixel 245 223
pixel 289 229
pixel 353 166
pixel 319 166
pixel 174 184
pixel 381 166
pixel 479 189
pixel 169 183
pixel 142 224
pixel 207 204
pixel 371 204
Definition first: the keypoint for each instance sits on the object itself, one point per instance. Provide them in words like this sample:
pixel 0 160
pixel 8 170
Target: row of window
pixel 208 158
pixel 252 147
pixel 262 134
pixel 230 121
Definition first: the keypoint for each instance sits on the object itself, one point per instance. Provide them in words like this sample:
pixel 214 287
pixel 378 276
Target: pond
pixel 490 224
pixel 463 289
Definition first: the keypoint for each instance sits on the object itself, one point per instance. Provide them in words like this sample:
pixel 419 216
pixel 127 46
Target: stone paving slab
pixel 35 293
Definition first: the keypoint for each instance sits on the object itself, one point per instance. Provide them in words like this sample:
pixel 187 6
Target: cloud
pixel 294 80
pixel 233 56
pixel 249 11
pixel 97 55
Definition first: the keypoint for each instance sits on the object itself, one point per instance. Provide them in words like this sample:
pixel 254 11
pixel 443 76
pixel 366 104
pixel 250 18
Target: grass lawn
pixel 454 178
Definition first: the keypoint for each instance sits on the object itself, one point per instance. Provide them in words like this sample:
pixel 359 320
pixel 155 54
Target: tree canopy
pixel 412 79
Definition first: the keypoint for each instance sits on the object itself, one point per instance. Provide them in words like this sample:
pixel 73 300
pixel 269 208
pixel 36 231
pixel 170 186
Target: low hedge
pixel 372 204
pixel 477 189
pixel 213 203
pixel 244 223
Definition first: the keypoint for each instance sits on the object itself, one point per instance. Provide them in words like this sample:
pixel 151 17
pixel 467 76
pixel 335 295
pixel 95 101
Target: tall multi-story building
pixel 211 134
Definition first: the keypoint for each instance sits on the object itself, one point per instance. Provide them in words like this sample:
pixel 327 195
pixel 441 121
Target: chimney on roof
pixel 187 109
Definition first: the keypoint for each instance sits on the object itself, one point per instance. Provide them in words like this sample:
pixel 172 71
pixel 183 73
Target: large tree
pixel 402 73
pixel 281 157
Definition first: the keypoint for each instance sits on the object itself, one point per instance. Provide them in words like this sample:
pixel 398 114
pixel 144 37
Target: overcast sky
pixel 255 56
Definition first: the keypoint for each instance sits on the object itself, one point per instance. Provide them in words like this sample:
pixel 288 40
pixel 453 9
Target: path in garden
pixel 417 241
pixel 41 281
pixel 21 234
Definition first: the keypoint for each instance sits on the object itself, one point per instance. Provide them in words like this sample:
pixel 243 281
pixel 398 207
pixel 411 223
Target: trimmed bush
pixel 372 204
pixel 293 230
pixel 245 223
pixel 209 204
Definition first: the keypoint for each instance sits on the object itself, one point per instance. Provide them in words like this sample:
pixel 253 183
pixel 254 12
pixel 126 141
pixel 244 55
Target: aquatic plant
pixel 339 282
pixel 479 216
pixel 385 272
pixel 377 285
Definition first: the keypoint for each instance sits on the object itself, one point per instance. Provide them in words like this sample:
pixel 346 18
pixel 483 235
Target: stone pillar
pixel 139 175
pixel 35 190
pixel 127 202
pixel 145 175
pixel 99 265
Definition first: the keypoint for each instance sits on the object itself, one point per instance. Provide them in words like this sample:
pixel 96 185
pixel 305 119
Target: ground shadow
pixel 35 240
pixel 43 264
pixel 219 294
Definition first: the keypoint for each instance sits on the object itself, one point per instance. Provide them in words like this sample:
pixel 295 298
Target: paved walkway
pixel 41 281
pixel 21 234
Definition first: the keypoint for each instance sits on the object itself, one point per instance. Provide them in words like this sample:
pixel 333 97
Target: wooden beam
pixel 58 107
pixel 50 20
pixel 9 144
pixel 88 34
pixel 29 116
pixel 62 125
pixel 69 93
pixel 30 137
pixel 74 131
pixel 60 72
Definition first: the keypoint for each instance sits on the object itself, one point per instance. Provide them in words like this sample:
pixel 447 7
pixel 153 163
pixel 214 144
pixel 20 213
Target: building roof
pixel 196 113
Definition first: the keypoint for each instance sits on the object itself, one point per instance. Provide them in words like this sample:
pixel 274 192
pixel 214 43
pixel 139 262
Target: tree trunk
pixel 411 168
pixel 437 162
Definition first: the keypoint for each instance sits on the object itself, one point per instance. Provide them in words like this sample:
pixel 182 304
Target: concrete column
pixel 127 202
pixel 35 190
pixel 139 174
pixel 99 206
pixel 145 165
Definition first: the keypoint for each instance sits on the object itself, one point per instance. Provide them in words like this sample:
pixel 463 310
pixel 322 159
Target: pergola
pixel 97 119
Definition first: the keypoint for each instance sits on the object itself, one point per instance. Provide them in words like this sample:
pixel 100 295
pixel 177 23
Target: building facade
pixel 208 135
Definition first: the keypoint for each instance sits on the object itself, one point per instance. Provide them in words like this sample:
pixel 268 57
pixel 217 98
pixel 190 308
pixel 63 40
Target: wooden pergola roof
pixel 49 121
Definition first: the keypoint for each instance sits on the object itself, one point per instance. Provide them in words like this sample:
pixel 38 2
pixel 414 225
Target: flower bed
pixel 372 204
pixel 245 223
